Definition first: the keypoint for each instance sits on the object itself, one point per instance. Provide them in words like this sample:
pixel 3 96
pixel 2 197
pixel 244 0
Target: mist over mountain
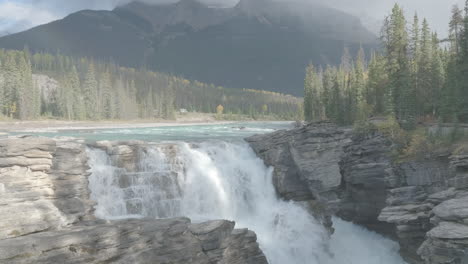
pixel 261 44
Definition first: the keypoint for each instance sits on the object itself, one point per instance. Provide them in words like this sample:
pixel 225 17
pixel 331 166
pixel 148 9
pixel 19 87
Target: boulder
pixel 455 210
pixel 447 243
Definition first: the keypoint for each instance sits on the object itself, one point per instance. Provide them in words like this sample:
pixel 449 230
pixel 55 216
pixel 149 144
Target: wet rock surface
pixel 420 203
pixel 48 216
pixel 135 241
pixel 306 164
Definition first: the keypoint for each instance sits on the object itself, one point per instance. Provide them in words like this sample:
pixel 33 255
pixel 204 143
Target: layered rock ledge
pixel 48 216
pixel 421 203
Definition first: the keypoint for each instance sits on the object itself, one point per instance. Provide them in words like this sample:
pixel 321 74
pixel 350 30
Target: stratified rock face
pixel 448 241
pixel 136 241
pixel 367 174
pixel 306 164
pixel 427 210
pixel 48 217
pixel 459 164
pixel 421 203
pixel 43 185
pixel 305 160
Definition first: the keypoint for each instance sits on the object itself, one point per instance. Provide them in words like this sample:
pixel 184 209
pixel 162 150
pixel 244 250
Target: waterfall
pixel 220 180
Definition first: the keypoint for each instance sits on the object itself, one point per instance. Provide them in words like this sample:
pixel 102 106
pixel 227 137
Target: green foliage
pixel 414 78
pixel 19 97
pixel 313 107
pixel 94 90
pixel 337 93
pixel 422 144
pixel 392 130
pixel 363 128
pixel 419 145
pixel 462 149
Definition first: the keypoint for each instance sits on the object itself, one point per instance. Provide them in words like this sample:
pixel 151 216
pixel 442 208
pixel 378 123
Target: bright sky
pixel 18 15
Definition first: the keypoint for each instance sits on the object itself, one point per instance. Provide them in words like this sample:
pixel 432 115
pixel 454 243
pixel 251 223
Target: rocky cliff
pixel 421 203
pixel 48 216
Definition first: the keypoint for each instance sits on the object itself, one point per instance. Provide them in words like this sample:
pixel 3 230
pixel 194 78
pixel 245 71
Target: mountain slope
pixel 258 44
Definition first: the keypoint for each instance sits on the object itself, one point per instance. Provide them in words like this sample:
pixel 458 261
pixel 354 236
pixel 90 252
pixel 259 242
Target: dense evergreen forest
pixel 416 77
pixel 57 86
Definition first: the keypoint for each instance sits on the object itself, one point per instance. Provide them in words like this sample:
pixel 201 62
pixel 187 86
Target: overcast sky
pixel 17 15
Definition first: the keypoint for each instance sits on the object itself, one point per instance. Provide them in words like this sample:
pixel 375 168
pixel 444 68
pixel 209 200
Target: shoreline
pixel 45 126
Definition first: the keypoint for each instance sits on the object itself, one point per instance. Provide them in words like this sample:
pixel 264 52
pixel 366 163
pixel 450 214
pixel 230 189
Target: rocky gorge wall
pixel 48 215
pixel 422 204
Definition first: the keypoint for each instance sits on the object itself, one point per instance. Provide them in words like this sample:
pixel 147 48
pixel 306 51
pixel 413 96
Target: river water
pixel 211 173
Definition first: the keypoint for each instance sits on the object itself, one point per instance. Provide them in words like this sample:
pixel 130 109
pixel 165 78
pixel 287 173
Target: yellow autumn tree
pixel 219 109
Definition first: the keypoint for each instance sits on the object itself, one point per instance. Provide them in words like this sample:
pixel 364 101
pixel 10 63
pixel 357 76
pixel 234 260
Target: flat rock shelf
pixel 48 217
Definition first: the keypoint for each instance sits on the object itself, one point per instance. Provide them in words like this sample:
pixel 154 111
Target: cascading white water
pixel 219 180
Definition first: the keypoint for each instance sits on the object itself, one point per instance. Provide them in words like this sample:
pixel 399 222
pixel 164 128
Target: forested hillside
pixel 417 77
pixel 257 44
pixel 35 85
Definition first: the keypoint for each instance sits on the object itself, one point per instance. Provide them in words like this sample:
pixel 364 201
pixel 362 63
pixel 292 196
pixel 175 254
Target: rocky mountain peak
pixel 253 6
pixel 181 4
pixel 190 4
pixel 176 37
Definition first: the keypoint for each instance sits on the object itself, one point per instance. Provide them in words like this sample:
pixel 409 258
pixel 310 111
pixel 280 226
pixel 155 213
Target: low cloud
pixel 18 15
pixel 437 12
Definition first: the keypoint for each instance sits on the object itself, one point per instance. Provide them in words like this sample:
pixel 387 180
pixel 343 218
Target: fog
pixel 436 11
pixel 18 15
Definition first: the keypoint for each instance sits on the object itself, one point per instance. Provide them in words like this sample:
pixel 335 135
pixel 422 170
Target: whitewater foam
pixel 219 180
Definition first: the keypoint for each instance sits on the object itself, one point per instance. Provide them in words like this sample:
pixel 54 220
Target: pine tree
pixel 169 111
pixel 11 84
pixel 36 101
pixel 455 28
pixel 415 58
pixel 79 108
pixel 425 71
pixel 377 84
pixel 326 98
pixel 336 102
pixel 313 91
pixel 26 89
pixel 360 73
pixel 402 105
pixel 65 99
pixel 308 94
pixel 2 85
pixel 90 93
pixel 462 89
pixel 351 93
pixel 415 45
pixel 132 100
pixel 437 77
pixel 346 60
pixel 449 94
pixel 106 95
pixel 119 100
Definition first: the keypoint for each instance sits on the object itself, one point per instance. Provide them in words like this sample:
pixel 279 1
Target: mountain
pixel 260 44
